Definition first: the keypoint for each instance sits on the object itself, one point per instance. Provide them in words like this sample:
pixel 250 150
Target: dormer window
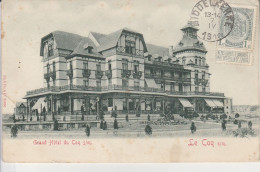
pixel 88 48
pixel 180 44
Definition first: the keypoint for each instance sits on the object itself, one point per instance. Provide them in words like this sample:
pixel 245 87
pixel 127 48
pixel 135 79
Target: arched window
pixel 183 60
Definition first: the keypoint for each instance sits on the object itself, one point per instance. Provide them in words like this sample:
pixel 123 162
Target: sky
pixel 25 22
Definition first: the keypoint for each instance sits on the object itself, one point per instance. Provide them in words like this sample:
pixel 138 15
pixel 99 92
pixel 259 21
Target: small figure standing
pixel 30 118
pixel 23 117
pixel 105 125
pixel 250 125
pixel 193 128
pixel 14 120
pixel 239 124
pixel 59 110
pixel 115 124
pixel 87 130
pixel 148 117
pixel 82 112
pixel 56 125
pixel 223 125
pixel 101 124
pixel 14 131
pixel 44 116
pixel 148 129
pixel 126 117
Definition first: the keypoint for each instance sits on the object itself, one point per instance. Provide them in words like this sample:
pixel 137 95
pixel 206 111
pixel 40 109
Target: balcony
pixel 70 73
pixel 47 77
pixel 99 74
pixel 126 73
pixel 86 73
pixel 53 75
pixel 122 50
pixel 109 74
pixel 119 88
pixel 137 74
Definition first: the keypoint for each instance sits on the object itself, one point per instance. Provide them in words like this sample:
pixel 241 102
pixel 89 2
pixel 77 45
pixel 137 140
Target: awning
pixel 218 103
pixel 151 83
pixel 185 103
pixel 210 103
pixel 37 105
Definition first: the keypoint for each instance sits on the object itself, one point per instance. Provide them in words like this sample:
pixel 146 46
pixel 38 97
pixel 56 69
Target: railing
pixel 118 87
pixel 53 75
pixel 47 77
pixel 99 74
pixel 180 79
pixel 121 49
pixel 126 73
pixel 109 74
pixel 86 73
pixel 137 74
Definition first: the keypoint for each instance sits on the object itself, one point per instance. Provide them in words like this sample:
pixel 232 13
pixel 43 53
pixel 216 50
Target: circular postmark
pixel 213 18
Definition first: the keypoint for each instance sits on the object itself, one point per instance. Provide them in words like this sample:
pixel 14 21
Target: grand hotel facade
pixel 120 71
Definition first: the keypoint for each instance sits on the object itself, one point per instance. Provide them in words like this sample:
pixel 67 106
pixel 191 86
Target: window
pixel 196 74
pixel 45 50
pixel 124 64
pixel 172 86
pixel 136 68
pixel 54 66
pixel 85 65
pixel 110 102
pixel 50 50
pixel 162 73
pixel 85 83
pixel 204 89
pixel 162 85
pixel 109 65
pixel 183 61
pixel 203 75
pixel 124 104
pixel 199 61
pixel 98 83
pixel 196 61
pixel 130 45
pixel 99 66
pixel 125 83
pixel 48 68
pixel 196 89
pixel 71 68
pixel 136 83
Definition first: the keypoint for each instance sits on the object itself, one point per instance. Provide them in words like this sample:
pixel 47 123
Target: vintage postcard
pixel 130 81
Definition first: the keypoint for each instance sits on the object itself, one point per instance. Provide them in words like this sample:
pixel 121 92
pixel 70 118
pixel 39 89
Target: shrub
pixel 244 132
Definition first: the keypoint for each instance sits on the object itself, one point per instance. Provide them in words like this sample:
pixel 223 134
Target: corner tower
pixel 191 53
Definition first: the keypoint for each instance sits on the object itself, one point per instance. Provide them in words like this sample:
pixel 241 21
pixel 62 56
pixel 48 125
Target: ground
pixel 207 128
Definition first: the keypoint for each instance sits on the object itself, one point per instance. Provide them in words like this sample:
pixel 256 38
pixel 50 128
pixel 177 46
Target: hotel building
pixel 120 71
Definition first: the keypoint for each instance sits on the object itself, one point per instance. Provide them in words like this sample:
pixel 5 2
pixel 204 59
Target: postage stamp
pixel 237 47
pixel 234 57
pixel 241 35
